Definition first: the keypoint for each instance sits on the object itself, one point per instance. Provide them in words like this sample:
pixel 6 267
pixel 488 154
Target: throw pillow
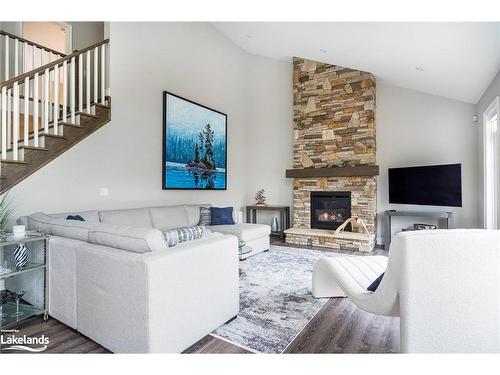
pixel 176 236
pixel 373 286
pixel 75 217
pixel 222 215
pixel 205 216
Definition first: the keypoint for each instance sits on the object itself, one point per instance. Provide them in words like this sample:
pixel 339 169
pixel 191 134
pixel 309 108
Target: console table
pixel 284 222
pixel 448 216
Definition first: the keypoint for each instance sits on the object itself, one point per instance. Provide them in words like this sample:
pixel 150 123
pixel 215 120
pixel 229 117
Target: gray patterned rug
pixel 275 299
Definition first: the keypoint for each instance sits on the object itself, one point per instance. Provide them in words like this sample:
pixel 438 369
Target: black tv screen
pixel 434 185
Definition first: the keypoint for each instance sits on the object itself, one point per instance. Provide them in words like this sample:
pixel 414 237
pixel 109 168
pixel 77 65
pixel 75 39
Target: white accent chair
pixel 443 284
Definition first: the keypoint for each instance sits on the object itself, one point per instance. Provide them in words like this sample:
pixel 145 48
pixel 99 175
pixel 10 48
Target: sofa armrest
pixel 200 283
pixel 156 302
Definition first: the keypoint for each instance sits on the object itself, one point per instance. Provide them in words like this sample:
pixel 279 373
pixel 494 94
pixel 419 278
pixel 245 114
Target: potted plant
pixel 5 213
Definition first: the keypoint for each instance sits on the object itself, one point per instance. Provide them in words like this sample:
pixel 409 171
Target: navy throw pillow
pixel 373 286
pixel 75 217
pixel 221 215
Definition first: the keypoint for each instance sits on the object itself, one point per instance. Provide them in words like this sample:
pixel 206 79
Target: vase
pixel 21 255
pixel 274 224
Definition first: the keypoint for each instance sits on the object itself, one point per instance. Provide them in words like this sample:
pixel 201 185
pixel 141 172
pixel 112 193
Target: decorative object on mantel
pixel 260 198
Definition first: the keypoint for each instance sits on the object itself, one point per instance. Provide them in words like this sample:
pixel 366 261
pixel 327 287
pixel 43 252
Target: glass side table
pixel 243 249
pixel 23 290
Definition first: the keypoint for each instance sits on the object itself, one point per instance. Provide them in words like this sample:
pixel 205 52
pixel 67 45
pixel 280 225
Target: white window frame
pixel 491 156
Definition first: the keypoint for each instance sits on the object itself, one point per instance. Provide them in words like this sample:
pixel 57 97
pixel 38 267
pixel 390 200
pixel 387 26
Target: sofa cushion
pixel 176 236
pixel 40 222
pixel 77 230
pixel 169 217
pixel 245 232
pixel 130 238
pixel 221 216
pixel 89 216
pixel 205 216
pixel 136 217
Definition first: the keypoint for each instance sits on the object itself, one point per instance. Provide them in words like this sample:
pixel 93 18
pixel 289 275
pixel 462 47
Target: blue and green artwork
pixel 194 145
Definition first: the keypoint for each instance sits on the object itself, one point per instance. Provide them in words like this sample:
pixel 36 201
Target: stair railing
pixel 53 94
pixel 22 55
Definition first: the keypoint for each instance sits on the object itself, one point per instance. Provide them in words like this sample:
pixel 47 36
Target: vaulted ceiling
pixel 453 60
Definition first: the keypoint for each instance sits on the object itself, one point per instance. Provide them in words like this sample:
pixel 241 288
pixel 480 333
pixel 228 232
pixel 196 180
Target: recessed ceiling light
pixel 248 36
pixel 419 68
pixel 322 50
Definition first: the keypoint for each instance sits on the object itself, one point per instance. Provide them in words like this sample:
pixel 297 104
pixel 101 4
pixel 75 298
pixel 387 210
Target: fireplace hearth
pixel 330 209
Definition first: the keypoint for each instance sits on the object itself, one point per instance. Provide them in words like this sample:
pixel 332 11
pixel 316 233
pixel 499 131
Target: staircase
pixel 49 102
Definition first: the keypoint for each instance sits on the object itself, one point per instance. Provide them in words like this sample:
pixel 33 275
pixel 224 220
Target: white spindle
pixel 46 102
pixel 16 58
pixel 15 132
pixel 26 111
pixel 65 91
pixel 80 82
pixel 72 90
pixel 56 98
pixel 24 47
pixel 35 110
pixel 103 73
pixel 96 75
pixel 9 117
pixel 33 57
pixel 4 122
pixel 87 90
pixel 51 90
pixel 7 55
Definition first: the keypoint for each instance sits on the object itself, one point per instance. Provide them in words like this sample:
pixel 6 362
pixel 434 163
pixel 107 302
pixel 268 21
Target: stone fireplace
pixel 334 168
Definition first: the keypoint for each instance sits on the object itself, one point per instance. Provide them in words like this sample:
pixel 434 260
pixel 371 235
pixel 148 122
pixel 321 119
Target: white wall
pixel 490 93
pixel 413 129
pixel 86 33
pixel 270 131
pixel 191 60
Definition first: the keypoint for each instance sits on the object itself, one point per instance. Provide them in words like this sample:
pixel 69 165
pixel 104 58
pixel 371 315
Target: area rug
pixel 276 300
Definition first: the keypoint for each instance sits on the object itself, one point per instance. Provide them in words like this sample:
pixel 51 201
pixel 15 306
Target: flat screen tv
pixel 434 185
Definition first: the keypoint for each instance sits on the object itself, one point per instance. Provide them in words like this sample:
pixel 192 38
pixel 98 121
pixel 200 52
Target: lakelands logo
pixel 23 343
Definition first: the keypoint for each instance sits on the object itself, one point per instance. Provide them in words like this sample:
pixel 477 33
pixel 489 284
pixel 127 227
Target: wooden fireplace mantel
pixel 360 170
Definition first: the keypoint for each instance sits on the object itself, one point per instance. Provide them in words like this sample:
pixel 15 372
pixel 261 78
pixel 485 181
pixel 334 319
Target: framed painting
pixel 194 145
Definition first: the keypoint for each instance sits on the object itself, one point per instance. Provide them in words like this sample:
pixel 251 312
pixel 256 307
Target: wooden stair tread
pixel 86 114
pixel 30 147
pixel 14 162
pixel 70 124
pixel 102 105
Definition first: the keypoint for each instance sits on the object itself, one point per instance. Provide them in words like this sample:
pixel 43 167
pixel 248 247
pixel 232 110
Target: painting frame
pixel 165 147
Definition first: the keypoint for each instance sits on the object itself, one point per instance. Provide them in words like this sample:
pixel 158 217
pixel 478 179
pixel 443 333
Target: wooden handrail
pixel 50 65
pixel 31 43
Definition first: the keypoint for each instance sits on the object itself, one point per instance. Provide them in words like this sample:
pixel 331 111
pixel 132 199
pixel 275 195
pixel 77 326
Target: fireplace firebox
pixel 329 209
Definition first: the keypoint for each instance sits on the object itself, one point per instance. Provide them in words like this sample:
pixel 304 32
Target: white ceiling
pixel 459 60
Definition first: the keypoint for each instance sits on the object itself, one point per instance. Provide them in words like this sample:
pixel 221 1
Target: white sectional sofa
pixel 113 278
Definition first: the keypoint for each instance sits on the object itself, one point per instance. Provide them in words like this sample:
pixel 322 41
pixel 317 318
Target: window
pixel 492 165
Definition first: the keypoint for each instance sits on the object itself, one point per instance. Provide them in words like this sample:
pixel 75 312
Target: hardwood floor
pixel 339 327
pixel 62 338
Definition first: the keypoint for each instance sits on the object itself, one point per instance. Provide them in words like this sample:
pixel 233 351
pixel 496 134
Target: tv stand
pixel 448 216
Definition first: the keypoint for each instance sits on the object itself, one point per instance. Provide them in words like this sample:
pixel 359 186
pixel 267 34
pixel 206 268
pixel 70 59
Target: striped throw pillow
pixel 176 236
